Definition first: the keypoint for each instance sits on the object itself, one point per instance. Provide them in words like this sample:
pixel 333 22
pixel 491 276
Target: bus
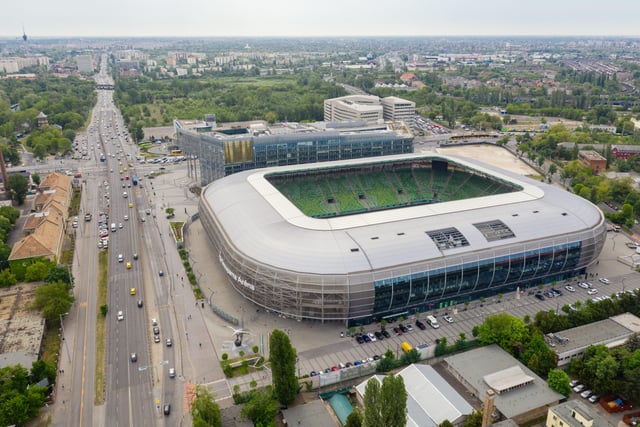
pixel 177 152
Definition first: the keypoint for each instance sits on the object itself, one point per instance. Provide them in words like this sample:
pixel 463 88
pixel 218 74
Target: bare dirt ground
pixel 21 326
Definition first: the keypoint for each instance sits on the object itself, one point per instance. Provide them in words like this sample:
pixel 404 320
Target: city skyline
pixel 291 18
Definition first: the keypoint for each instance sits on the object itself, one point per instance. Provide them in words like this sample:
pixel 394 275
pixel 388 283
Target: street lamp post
pixel 64 337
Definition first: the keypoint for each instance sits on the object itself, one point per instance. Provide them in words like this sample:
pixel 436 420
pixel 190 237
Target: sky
pixel 300 18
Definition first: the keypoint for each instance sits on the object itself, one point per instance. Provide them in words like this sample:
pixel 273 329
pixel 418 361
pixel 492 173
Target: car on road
pixel 120 225
pixel 132 291
pixel 130 205
pixel 172 372
pixel 448 318
pixel 156 339
pixel 120 315
pixel 140 303
pixel 592 291
pixel 128 265
pixel 168 342
pixel 167 409
pixel 160 273
pixel 604 280
pixel 120 258
pixel 126 217
pixel 156 330
pixel 134 357
pixel 570 288
pixel 154 322
pixel 135 256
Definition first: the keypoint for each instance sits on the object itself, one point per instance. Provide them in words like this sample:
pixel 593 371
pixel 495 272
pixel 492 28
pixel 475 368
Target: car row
pixel 346 365
pixel 584 392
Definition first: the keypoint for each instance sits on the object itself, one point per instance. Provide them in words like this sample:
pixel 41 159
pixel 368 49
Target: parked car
pixel 397 330
pixel 372 337
pixel 378 335
pixel 586 394
pixel 604 280
pixel 448 318
pixel 420 325
pixel 386 333
pixel 594 398
pixel 540 297
pixel 570 288
pixel 574 383
pixel 584 285
pixel 592 291
pixel 579 388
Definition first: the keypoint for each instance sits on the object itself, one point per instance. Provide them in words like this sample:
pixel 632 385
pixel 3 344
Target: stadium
pixel 361 240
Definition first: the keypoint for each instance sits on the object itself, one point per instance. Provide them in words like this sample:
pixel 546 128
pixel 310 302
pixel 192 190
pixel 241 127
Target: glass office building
pixel 234 148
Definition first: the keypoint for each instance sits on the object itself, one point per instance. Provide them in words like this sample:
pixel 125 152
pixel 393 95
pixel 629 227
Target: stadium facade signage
pixel 234 276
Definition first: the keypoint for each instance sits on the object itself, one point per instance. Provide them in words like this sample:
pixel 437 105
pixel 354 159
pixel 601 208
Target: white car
pixel 120 258
pixel 448 318
pixel 126 217
pixel 120 315
pixel 604 280
pixel 372 336
pixel 120 225
pixel 592 291
pixel 570 288
pixel 584 285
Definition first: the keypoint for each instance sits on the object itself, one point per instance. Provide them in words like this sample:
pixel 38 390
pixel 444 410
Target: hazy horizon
pixel 333 18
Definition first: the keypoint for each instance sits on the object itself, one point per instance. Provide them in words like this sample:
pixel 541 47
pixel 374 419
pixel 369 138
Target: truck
pixel 134 179
pixel 615 403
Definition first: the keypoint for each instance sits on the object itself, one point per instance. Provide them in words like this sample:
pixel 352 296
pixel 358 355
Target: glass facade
pixel 220 157
pixel 365 297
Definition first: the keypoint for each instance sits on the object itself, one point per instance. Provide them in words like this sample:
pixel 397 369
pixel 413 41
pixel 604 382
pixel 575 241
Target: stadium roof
pixel 263 224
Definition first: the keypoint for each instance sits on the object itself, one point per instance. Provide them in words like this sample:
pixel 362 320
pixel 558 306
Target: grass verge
pixel 101 326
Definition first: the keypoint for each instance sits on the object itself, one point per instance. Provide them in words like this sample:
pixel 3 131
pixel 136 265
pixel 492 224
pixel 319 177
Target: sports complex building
pixel 364 239
pixel 222 150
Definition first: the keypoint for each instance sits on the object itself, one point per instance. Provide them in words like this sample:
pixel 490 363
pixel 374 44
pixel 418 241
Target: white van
pixel 431 320
pixel 113 227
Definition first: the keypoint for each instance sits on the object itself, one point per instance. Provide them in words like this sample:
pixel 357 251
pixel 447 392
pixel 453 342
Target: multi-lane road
pixel 136 391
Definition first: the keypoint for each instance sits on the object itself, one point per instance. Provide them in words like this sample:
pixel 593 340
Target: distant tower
pixel 42 119
pixel 24 34
pixel 487 411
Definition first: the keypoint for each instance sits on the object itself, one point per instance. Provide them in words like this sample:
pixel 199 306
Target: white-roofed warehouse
pixel 456 230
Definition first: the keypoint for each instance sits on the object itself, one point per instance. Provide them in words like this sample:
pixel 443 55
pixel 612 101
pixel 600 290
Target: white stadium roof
pixel 261 223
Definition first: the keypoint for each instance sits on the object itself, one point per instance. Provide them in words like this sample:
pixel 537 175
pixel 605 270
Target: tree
pixel 37 271
pixel 54 300
pixel 18 187
pixel 558 380
pixel 7 278
pixel 394 395
pixel 205 412
pixel 502 329
pixel 41 369
pixel 372 404
pixel 473 420
pixel 35 178
pixel 59 273
pixel 446 423
pixel 261 409
pixel 283 367
pixel 354 419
